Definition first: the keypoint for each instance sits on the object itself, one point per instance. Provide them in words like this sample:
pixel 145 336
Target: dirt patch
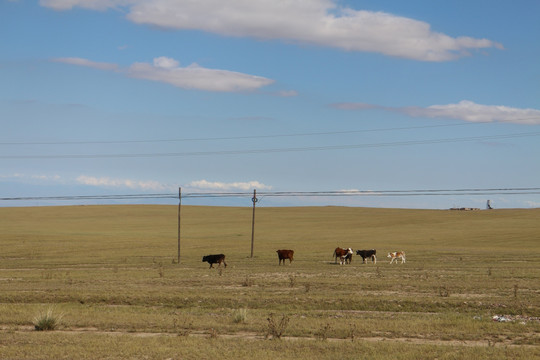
pixel 258 336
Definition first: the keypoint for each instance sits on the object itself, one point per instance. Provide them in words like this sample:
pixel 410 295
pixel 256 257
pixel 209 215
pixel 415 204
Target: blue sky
pixel 133 97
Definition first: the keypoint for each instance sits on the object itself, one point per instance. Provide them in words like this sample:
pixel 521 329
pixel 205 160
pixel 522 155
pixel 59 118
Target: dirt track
pixel 258 336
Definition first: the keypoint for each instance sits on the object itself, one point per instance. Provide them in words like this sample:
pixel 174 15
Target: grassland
pixel 110 275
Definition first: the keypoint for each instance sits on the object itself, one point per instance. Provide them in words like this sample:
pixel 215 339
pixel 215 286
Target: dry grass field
pixel 108 276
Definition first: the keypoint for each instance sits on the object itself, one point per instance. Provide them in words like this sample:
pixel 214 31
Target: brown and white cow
pixel 396 255
pixel 284 255
pixel 344 255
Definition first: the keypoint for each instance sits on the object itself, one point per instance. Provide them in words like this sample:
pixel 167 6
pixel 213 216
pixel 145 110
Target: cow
pixel 344 255
pixel 284 255
pixel 396 255
pixel 366 254
pixel 345 259
pixel 214 259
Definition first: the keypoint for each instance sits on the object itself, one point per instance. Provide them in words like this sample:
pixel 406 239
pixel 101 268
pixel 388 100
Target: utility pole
pixel 179 219
pixel 254 199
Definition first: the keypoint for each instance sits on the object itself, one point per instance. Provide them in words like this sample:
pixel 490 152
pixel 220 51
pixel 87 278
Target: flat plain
pixel 110 276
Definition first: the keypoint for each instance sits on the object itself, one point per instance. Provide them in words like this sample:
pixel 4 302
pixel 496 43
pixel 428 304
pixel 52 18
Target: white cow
pixel 396 255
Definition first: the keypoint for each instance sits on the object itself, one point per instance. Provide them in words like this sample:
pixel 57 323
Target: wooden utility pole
pixel 179 219
pixel 254 199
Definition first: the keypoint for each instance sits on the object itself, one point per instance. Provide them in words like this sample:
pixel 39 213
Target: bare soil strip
pixel 258 336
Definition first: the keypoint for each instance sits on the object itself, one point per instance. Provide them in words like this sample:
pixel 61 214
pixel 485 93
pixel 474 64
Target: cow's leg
pixel 374 259
pixel 211 265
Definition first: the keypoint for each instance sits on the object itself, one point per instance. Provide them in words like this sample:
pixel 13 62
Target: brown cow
pixel 214 259
pixel 284 255
pixel 344 255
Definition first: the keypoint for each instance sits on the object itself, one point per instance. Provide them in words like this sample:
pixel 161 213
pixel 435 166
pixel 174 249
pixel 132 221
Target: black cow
pixel 214 259
pixel 284 255
pixel 366 254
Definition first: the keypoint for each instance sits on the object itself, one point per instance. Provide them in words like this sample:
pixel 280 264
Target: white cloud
pixel 33 177
pixel 317 22
pixel 220 186
pixel 464 110
pixel 470 111
pixel 151 185
pixel 196 77
pixel 355 106
pixel 357 191
pixel 87 63
pixel 86 4
pixel 287 93
pixel 532 204
pixel 123 183
pixel 165 63
pixel 134 184
pixel 168 70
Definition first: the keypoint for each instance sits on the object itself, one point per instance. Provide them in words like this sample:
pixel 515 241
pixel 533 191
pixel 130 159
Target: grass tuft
pixel 443 291
pixel 292 281
pixel 47 320
pixel 240 316
pixel 276 327
pixel 322 334
pixel 247 282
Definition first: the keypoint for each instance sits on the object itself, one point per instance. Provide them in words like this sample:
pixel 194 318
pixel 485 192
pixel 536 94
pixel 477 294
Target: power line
pixel 268 151
pixel 346 193
pixel 89 142
pixel 97 142
pixel 93 197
